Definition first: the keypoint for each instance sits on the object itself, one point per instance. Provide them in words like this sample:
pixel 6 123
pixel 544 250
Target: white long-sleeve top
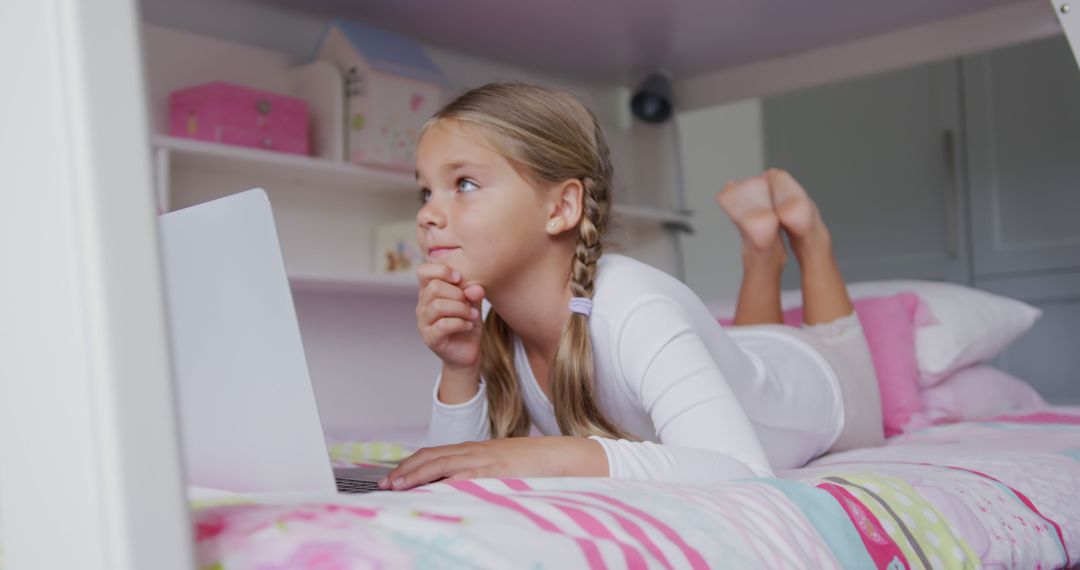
pixel 665 371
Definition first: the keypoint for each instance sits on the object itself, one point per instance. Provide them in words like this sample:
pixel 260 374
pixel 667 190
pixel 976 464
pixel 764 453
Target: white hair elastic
pixel 581 305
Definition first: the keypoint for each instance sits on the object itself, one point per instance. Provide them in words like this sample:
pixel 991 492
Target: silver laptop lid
pixel 247 408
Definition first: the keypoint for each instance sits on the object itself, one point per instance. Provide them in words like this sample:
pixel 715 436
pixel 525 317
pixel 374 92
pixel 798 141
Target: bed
pixel 997 493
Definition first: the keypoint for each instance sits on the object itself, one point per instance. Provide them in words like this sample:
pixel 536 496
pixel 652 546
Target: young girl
pixel 621 367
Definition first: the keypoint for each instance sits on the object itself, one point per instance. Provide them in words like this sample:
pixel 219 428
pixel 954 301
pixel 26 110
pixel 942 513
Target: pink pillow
pixel 976 392
pixel 889 324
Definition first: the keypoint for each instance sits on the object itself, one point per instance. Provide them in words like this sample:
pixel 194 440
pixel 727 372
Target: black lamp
pixel 652 100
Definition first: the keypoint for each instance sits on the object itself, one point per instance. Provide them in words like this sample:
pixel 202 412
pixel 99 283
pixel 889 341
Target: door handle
pixel 952 197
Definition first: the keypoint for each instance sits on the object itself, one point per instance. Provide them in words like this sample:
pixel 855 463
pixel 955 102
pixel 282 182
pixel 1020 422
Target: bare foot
pixel 749 205
pixel 798 214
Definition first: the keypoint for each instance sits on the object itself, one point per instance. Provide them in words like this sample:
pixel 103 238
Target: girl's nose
pixel 430 215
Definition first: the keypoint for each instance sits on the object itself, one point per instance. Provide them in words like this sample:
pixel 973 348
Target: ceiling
pixel 620 40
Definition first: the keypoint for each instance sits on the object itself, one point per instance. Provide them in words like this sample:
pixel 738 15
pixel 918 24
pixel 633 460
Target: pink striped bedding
pixel 1003 493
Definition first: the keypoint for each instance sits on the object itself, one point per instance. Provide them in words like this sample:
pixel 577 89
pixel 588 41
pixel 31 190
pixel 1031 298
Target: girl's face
pixel 478 215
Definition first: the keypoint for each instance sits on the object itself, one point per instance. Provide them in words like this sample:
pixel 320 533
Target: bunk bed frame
pixel 89 437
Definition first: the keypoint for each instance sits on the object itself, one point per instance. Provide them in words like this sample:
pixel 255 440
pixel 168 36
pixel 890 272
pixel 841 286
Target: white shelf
pixel 306 170
pixel 326 172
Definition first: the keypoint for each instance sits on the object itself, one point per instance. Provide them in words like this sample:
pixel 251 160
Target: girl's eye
pixel 462 184
pixel 463 181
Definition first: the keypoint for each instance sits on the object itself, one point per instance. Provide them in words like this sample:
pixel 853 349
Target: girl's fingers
pixel 474 294
pixel 422 456
pixel 446 308
pixel 428 271
pixel 438 468
pixel 452 325
pixel 439 289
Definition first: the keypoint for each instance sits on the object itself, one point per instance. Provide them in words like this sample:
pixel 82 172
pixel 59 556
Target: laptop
pixel 248 415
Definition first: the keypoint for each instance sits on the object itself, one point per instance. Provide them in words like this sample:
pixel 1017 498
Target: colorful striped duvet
pixel 994 494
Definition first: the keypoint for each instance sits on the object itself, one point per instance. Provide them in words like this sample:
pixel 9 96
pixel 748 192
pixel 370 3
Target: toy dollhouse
pixel 392 87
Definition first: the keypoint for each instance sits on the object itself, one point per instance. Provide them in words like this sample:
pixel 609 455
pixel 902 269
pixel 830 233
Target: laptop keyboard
pixel 356 485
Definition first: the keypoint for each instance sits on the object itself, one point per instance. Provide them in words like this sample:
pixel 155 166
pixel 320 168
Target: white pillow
pixel 972 325
pixel 978 392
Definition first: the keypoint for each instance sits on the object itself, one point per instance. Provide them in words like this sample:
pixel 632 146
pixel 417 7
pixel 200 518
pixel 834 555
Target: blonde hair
pixel 552 136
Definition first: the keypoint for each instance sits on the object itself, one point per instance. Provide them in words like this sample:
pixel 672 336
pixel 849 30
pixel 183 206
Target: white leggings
pixel 823 391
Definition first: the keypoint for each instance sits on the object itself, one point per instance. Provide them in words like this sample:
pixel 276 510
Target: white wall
pixel 720 143
pixel 370 368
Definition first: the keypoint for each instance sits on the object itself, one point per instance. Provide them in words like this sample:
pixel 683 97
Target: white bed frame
pixel 1068 13
pixel 91 471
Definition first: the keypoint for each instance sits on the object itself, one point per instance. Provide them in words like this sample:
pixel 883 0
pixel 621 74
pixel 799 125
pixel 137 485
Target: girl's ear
pixel 566 206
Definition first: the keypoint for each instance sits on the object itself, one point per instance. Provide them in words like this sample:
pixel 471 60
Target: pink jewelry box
pixel 241 116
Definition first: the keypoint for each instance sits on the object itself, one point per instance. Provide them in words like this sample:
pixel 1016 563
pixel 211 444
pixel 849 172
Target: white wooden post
pixel 90 472
pixel 1068 13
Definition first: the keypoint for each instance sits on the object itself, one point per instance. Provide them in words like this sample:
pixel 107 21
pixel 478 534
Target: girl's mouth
pixel 437 252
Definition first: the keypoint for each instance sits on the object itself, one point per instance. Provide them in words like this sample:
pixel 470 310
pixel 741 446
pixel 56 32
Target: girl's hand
pixel 449 316
pixel 548 456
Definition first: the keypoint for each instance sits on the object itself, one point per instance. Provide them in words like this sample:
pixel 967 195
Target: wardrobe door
pixel 1023 116
pixel 878 155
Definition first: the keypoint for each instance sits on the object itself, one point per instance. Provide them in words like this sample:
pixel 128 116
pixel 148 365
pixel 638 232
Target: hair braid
pixel 576 409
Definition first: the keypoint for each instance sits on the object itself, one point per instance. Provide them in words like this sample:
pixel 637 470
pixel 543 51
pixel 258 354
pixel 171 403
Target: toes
pixel 797 212
pixel 723 190
pixel 729 188
pixel 778 176
pixel 739 197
